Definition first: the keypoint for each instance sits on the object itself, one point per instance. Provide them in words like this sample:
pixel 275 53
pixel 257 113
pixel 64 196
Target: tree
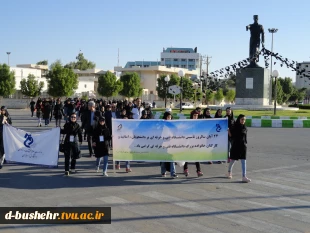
pixel 31 87
pixel 188 91
pixel 61 81
pixel 209 95
pixel 7 80
pixel 44 62
pixel 55 63
pixel 279 92
pixel 161 85
pixel 298 94
pixel 81 63
pixel 108 85
pixel 230 95
pixel 287 88
pixel 219 96
pixel 131 85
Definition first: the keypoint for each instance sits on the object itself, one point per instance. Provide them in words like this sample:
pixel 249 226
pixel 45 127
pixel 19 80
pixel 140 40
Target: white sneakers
pixel 244 179
pixel 105 174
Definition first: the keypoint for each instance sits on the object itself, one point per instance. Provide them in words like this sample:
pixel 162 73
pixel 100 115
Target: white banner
pixel 31 148
pixel 178 140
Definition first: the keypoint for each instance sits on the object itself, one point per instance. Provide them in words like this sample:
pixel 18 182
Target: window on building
pixel 175 59
pixel 168 59
pixel 162 59
pixel 183 59
pixel 183 66
pixel 191 59
pixel 168 66
pixel 176 66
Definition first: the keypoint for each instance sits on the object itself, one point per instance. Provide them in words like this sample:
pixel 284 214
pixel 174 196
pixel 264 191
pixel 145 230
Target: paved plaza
pixel 276 201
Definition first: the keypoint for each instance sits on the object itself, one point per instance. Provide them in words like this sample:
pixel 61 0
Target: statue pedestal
pixel 253 86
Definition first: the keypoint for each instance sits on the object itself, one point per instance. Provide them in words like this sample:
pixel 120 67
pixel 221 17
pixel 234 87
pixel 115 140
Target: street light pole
pixel 275 74
pixel 181 74
pixel 166 82
pixel 272 31
pixel 8 53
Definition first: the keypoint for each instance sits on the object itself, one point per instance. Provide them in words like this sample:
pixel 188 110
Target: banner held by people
pixel 160 140
pixel 31 148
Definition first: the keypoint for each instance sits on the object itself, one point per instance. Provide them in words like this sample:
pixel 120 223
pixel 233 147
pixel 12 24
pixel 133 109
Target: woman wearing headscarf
pixel 72 143
pixel 39 109
pixel 239 147
pixel 218 114
pixel 206 113
pixel 101 139
pixel 47 112
pixel 4 119
pixel 58 112
pixel 231 121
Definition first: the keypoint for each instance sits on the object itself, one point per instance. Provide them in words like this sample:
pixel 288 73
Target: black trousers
pixel 68 157
pixel 90 142
pixel 197 166
pixel 32 111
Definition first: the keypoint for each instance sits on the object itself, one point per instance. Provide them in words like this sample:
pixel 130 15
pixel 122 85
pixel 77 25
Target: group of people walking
pixel 96 121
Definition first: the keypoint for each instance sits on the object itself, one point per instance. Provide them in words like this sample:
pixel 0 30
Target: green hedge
pixel 300 106
pixel 304 106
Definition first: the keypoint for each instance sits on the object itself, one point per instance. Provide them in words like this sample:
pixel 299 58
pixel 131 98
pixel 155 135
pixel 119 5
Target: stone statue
pixel 256 30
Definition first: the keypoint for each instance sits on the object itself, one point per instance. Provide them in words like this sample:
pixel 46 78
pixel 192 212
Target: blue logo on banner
pixel 28 141
pixel 218 128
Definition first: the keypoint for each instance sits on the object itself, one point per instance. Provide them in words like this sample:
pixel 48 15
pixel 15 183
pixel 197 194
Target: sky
pixel 36 30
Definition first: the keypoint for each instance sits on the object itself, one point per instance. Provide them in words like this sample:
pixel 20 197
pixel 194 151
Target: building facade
pixel 186 58
pixel 301 80
pixel 149 75
pixel 131 64
pixel 88 80
pixel 21 72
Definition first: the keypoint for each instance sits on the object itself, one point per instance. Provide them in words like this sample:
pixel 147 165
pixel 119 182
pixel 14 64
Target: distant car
pixel 185 106
pixel 300 102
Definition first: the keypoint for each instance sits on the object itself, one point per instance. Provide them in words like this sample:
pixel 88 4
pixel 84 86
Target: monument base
pixel 253 86
pixel 252 101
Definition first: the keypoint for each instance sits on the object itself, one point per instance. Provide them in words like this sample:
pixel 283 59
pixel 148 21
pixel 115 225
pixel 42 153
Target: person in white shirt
pixel 137 110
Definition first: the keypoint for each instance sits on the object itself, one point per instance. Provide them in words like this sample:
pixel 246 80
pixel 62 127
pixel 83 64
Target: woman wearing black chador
pixel 239 147
pixel 72 143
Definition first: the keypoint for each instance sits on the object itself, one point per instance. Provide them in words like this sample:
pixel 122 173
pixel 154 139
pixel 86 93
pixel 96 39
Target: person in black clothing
pixel 101 138
pixel 108 120
pixel 4 119
pixel 32 107
pixel 58 112
pixel 52 103
pixel 47 112
pixel 218 114
pixel 239 147
pixel 206 113
pixel 148 111
pixel 90 117
pixel 198 169
pixel 231 122
pixel 73 133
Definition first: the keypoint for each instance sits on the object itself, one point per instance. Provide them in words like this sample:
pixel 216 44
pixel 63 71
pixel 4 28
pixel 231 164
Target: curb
pixel 261 121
